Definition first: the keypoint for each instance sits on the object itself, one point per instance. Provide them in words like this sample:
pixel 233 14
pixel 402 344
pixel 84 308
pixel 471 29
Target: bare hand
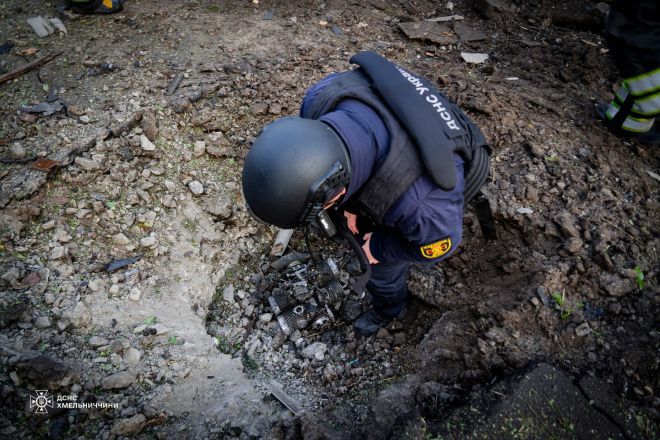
pixel 352 222
pixel 367 250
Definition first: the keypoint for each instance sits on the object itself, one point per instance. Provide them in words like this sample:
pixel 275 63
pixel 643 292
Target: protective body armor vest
pixel 403 163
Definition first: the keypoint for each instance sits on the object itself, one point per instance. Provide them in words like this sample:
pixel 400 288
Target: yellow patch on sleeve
pixel 437 249
pixel 107 4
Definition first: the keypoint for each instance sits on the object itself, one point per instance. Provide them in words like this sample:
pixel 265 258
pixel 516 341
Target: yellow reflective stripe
pixel 645 83
pixel 622 93
pixel 107 4
pixel 648 106
pixel 631 123
pixel 612 110
pixel 637 126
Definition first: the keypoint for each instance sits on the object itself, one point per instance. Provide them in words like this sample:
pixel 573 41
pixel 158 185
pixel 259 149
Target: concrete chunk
pixel 41 26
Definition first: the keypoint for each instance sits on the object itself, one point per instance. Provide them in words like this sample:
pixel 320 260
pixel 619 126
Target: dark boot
pixel 372 321
pixel 651 137
pixel 96 6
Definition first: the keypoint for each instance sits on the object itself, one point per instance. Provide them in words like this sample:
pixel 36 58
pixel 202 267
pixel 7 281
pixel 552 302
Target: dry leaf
pixel 27 52
pixel 42 164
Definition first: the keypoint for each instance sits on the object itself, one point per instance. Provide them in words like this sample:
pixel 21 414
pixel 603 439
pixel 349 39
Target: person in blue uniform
pixel 424 215
pixel 289 163
pixel 633 36
pixel 95 6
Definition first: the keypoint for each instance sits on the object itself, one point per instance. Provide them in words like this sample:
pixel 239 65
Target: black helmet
pixel 293 168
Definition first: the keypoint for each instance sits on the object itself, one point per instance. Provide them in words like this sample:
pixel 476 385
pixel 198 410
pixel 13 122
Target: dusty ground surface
pixel 183 341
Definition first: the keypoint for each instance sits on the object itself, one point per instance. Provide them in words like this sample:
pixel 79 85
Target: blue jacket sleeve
pixel 312 93
pixel 424 225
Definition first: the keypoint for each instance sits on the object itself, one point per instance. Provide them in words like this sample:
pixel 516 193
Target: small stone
pixel 168 201
pixel 215 151
pixel 249 309
pixel 150 412
pixel 132 356
pixel 329 374
pixel 265 318
pixel 135 294
pixel 196 188
pixel 169 185
pixel 118 380
pixel 148 124
pixel 468 33
pixel 115 347
pixel 399 338
pixel 474 58
pixel 95 284
pixel 583 330
pixel 146 144
pixel 75 110
pixel 275 109
pixel 535 302
pixel 129 426
pixel 42 322
pixel 616 286
pixel 85 119
pixel 79 316
pixel 573 245
pixel 139 329
pixel 121 239
pixel 278 340
pixel 614 308
pixel 382 333
pixel 220 206
pixel 48 226
pixel 17 151
pixel 315 351
pixel 14 378
pixel 259 108
pixel 438 33
pixel 148 242
pixel 199 149
pixel 218 139
pixel 82 213
pixel 567 224
pixel 58 253
pixel 531 194
pixel 87 164
pixel 180 105
pixel 97 341
pixel 62 236
pixel 228 294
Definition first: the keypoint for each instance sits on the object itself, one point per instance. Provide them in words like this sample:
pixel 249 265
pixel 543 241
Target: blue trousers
pixel 388 288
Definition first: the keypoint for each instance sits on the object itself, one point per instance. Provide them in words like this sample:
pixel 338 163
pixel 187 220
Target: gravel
pixel 196 188
pixel 119 380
